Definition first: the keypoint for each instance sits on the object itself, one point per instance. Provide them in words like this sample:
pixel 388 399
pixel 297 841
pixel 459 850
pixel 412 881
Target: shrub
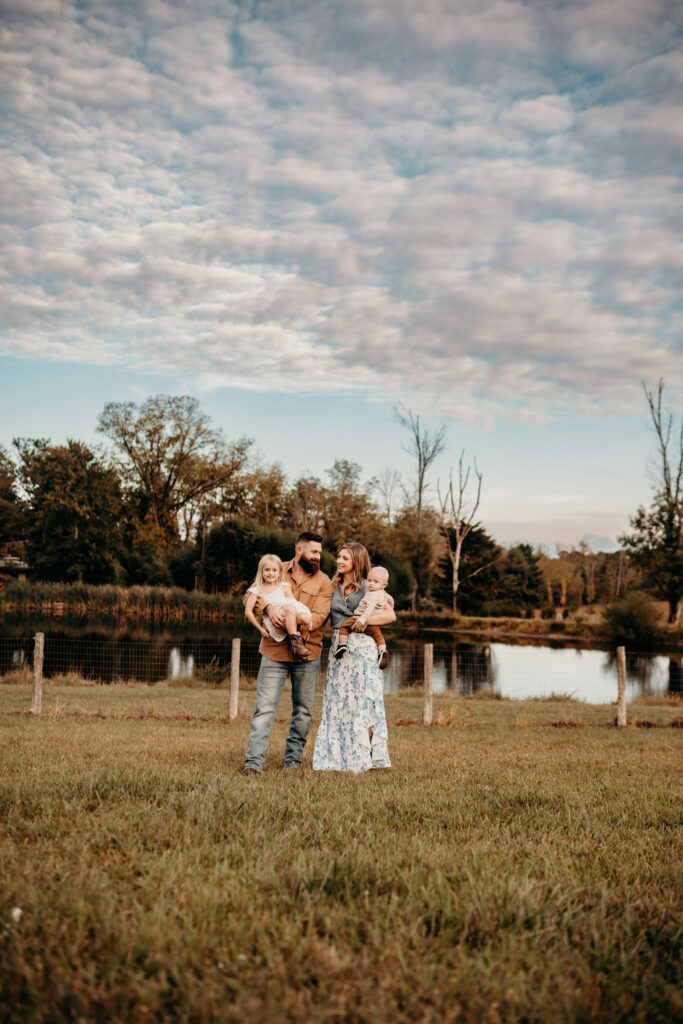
pixel 633 622
pixel 503 609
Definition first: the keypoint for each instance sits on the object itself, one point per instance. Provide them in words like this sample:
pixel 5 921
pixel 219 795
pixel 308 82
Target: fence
pixel 464 669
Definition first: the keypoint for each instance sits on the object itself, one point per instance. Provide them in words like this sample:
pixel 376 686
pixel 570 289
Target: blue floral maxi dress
pixel 353 702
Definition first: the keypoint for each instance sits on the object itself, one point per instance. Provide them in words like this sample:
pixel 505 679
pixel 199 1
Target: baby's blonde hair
pixel 259 580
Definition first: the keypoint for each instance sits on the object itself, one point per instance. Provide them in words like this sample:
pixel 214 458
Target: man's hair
pixel 306 537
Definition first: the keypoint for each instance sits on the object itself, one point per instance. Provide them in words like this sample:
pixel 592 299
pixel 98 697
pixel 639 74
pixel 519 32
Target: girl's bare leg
pixel 290 620
pixel 303 622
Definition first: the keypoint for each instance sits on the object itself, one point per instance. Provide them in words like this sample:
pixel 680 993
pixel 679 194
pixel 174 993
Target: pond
pixel 515 671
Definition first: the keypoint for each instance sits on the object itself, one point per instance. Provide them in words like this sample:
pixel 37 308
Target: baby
pixel 375 599
pixel 277 592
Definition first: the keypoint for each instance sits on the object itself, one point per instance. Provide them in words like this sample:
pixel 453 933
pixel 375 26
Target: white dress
pixel 278 596
pixel 353 703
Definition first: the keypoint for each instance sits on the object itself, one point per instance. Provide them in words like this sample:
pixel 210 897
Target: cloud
pixel 442 204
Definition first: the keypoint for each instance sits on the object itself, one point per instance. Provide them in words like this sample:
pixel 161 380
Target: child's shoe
pixel 342 648
pixel 299 649
pixel 383 657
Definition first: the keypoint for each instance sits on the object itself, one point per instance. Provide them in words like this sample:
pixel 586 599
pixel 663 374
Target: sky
pixel 303 213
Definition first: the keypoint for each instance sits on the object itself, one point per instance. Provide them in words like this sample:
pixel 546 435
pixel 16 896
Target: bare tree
pixel 656 544
pixel 424 446
pixel 388 486
pixel 457 519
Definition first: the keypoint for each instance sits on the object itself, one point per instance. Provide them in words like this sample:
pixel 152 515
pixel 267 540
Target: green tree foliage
pixel 73 511
pixel 633 621
pixel 521 580
pixel 656 542
pixel 173 465
pixel 479 574
pixel 12 518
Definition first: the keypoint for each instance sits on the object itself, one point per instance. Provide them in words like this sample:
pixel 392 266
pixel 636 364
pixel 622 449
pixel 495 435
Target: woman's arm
pixel 383 618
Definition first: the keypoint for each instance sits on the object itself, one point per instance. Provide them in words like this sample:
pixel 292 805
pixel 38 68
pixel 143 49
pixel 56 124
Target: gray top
pixel 341 609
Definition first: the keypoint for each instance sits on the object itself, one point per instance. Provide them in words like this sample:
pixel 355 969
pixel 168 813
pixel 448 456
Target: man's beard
pixel 308 567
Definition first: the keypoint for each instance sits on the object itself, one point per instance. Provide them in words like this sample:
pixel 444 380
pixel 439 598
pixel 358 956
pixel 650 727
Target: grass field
pixel 505 869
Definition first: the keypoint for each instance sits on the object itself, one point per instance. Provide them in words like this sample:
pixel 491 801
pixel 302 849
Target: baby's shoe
pixel 341 650
pixel 382 657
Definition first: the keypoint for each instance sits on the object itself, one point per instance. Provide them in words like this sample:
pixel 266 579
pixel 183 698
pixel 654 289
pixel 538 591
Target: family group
pixel 289 603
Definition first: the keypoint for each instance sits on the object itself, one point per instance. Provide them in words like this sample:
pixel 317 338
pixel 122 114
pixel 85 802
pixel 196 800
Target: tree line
pixel 168 501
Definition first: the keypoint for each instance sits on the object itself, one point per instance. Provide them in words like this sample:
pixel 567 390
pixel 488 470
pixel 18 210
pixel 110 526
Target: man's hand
pixel 276 614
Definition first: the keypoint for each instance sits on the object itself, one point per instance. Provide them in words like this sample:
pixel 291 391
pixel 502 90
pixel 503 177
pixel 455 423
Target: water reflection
pixel 521 671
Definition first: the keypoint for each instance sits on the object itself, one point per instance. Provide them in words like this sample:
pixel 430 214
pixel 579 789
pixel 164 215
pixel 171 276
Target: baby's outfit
pixel 373 601
pixel 278 596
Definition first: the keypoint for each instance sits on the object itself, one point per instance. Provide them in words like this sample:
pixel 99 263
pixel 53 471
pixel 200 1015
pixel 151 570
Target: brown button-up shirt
pixel 316 593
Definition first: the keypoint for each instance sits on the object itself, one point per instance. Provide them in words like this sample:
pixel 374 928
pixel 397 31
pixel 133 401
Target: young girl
pixel 270 586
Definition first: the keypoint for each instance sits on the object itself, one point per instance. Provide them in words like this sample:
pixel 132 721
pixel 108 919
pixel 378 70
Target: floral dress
pixel 353 702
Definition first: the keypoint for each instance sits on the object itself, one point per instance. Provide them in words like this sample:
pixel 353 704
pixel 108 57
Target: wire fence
pixel 461 668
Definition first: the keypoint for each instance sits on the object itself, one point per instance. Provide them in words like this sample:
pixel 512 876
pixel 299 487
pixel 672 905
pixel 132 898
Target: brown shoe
pixel 299 648
pixel 384 659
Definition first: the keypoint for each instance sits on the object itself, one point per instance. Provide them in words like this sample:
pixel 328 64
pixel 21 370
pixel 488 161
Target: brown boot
pixel 299 649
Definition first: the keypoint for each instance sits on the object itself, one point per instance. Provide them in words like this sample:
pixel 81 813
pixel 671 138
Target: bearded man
pixel 314 589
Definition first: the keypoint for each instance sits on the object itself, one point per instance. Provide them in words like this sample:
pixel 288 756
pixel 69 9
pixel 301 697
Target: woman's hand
pixel 358 626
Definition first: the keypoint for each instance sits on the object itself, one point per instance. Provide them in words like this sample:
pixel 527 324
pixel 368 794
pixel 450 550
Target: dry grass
pixel 503 870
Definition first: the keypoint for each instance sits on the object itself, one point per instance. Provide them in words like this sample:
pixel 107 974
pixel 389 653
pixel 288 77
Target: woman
pixel 353 730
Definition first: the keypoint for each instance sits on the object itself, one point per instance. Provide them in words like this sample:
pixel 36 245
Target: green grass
pixel 503 870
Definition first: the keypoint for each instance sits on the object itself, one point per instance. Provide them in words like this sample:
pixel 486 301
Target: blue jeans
pixel 272 676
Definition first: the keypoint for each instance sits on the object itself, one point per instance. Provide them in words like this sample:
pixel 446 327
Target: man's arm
pixel 275 612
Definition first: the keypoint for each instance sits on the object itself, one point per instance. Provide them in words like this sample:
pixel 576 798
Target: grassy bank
pixel 503 870
pixel 144 604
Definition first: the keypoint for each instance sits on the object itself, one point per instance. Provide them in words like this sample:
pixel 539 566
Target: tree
pixel 656 543
pixel 479 566
pixel 424 446
pixel 306 502
pixel 388 487
pixel 457 521
pixel 562 580
pixel 349 513
pixel 171 461
pixel 12 518
pixel 521 578
pixel 266 495
pixel 73 511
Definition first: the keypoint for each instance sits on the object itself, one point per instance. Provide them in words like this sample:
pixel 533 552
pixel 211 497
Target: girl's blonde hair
pixel 259 580
pixel 361 566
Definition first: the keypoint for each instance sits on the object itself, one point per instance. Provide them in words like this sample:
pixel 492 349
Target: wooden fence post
pixel 38 651
pixel 234 679
pixel 429 697
pixel 621 684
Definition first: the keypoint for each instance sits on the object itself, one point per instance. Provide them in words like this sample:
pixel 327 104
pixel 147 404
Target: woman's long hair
pixel 361 566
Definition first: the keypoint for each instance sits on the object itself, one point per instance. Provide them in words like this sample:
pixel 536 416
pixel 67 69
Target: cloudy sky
pixel 305 211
